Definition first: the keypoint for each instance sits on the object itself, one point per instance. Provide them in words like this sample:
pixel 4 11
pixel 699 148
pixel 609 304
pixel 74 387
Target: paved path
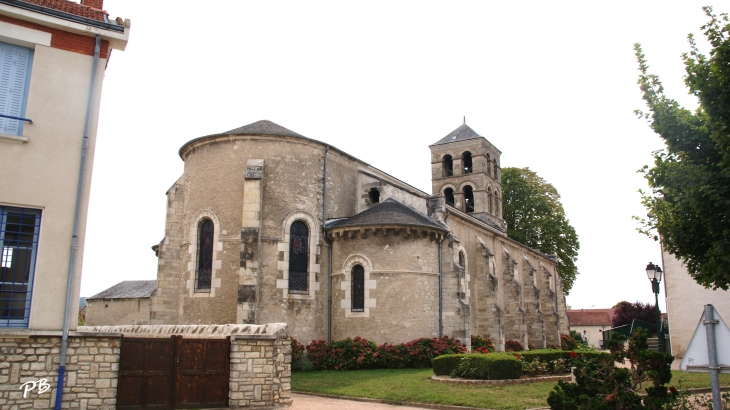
pixel 307 402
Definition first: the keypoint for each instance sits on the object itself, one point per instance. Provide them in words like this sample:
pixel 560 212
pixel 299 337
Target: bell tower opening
pixel 466 158
pixel 449 196
pixel 468 199
pixel 448 166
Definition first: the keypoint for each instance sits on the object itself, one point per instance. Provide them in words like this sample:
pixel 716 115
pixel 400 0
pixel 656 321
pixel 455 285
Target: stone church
pixel 266 225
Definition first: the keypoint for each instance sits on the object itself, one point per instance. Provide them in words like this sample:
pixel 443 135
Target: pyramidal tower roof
pixel 263 127
pixel 464 132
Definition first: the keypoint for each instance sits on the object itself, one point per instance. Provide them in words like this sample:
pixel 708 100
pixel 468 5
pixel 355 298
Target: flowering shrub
pixel 513 346
pixel 567 342
pixel 535 368
pixel 483 350
pixel 358 353
pixel 482 341
pixel 345 354
pixel 297 350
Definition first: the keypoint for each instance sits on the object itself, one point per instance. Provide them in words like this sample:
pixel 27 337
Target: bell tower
pixel 465 171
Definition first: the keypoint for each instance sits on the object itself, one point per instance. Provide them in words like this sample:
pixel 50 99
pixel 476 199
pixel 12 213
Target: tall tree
pixel 535 217
pixel 689 203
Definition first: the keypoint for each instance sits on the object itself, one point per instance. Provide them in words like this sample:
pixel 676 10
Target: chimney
pixel 97 4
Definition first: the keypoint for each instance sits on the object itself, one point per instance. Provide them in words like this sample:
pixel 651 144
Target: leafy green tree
pixel 689 203
pixel 535 217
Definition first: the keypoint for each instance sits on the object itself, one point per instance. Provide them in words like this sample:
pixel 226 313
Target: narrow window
pixel 466 157
pixel 448 166
pixel 449 196
pixel 205 255
pixel 489 165
pixel 491 200
pixel 15 64
pixel 18 248
pixel 298 257
pixel 496 176
pixel 468 199
pixel 461 259
pixel 496 205
pixel 358 288
pixel 374 195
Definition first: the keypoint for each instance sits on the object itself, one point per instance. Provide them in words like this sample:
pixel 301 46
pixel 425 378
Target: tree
pixel 535 217
pixel 689 203
pixel 625 312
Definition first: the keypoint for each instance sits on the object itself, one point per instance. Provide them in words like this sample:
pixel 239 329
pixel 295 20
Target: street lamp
pixel 655 276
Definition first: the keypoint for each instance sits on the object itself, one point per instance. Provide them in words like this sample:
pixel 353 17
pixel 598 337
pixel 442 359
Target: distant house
pixel 593 322
pixel 126 303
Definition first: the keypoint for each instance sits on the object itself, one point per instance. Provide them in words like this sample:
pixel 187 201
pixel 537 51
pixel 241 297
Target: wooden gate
pixel 173 373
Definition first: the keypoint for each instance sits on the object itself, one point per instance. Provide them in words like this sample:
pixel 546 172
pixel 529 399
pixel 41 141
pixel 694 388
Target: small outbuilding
pixel 593 322
pixel 126 303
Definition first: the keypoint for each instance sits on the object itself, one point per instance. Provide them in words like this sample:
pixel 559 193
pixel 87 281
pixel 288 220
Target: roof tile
pixel 71 8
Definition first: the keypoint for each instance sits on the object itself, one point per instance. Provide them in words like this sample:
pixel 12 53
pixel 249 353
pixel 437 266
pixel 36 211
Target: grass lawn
pixel 413 385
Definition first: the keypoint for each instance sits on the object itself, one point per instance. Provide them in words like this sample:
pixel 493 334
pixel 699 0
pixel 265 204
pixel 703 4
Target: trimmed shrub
pixel 513 346
pixel 545 355
pixel 496 366
pixel 421 351
pixel 482 342
pixel 393 356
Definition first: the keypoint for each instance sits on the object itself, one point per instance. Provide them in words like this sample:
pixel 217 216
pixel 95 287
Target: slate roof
pixel 70 7
pixel 462 133
pixel 263 127
pixel 590 317
pixel 389 212
pixel 128 289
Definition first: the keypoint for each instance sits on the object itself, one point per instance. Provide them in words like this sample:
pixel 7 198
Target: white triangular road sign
pixel 696 358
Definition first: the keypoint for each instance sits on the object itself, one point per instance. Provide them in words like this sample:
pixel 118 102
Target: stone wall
pixel 92 364
pixel 260 372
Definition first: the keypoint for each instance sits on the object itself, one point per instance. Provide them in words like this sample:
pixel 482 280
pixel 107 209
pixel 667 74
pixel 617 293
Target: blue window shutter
pixel 15 65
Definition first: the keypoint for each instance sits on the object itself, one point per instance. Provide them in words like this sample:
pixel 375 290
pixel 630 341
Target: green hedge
pixel 493 366
pixel 549 355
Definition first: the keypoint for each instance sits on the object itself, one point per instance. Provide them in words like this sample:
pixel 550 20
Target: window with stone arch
pixel 448 164
pixel 468 199
pixel 496 167
pixel 449 196
pixel 489 163
pixel 298 257
pixel 358 288
pixel 462 259
pixel 496 204
pixel 467 162
pixel 491 200
pixel 204 265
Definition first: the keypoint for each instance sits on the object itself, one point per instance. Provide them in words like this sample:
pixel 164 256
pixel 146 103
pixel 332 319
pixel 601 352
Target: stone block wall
pixel 92 365
pixel 260 372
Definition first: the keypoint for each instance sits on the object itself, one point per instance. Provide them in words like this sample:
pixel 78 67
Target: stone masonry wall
pixel 260 372
pixel 92 366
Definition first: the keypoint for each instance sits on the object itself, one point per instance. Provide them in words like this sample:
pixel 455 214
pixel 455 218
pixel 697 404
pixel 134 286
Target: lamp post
pixel 655 276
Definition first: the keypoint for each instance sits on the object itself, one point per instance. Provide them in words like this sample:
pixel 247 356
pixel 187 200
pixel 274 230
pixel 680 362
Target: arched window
pixel 298 257
pixel 462 260
pixel 466 158
pixel 449 196
pixel 358 288
pixel 448 166
pixel 489 165
pixel 496 205
pixel 468 199
pixel 496 176
pixel 374 195
pixel 491 200
pixel 205 255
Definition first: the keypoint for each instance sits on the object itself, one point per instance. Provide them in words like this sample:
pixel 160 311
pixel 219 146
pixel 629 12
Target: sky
pixel 550 84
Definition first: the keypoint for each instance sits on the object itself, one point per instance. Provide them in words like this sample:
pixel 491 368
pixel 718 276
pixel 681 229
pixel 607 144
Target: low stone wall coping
pixel 267 331
pixel 21 333
pixel 449 379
